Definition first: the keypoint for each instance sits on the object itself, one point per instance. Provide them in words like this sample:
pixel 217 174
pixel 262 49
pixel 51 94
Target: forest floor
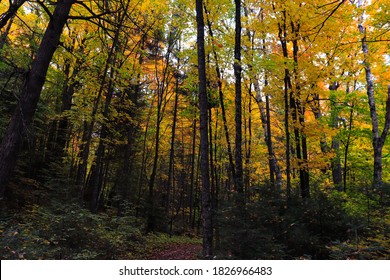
pixel 175 251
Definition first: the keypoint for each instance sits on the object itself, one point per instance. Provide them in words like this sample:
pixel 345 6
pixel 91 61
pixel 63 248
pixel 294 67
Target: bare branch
pixel 45 9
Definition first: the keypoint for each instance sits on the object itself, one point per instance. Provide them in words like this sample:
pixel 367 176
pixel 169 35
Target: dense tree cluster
pixel 259 125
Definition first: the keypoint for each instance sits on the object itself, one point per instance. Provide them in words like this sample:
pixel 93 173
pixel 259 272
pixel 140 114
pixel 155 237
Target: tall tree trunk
pixel 298 115
pixel 57 145
pixel 336 161
pixel 378 140
pixel 221 99
pixel 265 117
pixel 282 34
pixel 238 183
pixel 96 181
pixel 192 175
pixel 31 92
pixel 151 219
pixel 69 90
pixel 162 89
pixel 211 159
pixel 172 148
pixel 88 131
pixel 273 161
pixel 248 145
pixel 204 145
pixel 215 202
pixel 337 175
pixel 346 152
pixel 144 157
pixel 83 156
pixel 336 168
pixel 125 179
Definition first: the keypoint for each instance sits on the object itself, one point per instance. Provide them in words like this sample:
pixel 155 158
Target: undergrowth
pixel 72 232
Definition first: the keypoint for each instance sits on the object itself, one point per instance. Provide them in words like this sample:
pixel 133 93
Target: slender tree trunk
pixel 162 89
pixel 211 158
pixel 221 99
pixel 238 100
pixel 298 115
pixel 378 140
pixel 271 153
pixel 337 175
pixel 172 148
pixel 336 162
pixel 124 173
pixel 57 145
pixel 274 167
pixel 83 156
pixel 88 131
pixel 248 150
pixel 346 152
pixel 151 223
pixel 96 181
pixel 265 115
pixel 31 92
pixel 204 145
pixel 287 87
pixel 192 176
pixel 215 202
pixel 69 90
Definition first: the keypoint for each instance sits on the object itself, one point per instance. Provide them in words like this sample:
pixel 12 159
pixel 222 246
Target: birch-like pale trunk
pixel 378 139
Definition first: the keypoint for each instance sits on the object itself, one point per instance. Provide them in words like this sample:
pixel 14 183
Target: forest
pixel 195 129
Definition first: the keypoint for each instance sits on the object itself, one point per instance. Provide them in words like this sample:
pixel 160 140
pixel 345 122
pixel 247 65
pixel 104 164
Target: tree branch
pixel 46 9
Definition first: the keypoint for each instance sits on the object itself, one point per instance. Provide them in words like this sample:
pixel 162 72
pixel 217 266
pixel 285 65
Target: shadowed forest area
pixel 195 129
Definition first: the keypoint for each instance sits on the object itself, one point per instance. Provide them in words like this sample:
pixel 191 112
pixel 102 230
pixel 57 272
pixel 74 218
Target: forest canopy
pixel 245 129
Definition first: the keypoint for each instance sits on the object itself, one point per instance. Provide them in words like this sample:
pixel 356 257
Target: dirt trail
pixel 177 252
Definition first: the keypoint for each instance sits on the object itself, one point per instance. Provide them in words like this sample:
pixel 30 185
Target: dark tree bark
pixel 221 99
pixel 248 145
pixel 13 8
pixel 275 173
pixel 204 143
pixel 336 168
pixel 238 182
pixel 265 116
pixel 172 147
pixel 211 158
pixel 151 223
pixel 337 175
pixel 31 92
pixel 378 139
pixel 282 34
pixel 162 89
pixel 124 187
pixel 57 144
pixel 298 115
pixel 192 175
pixel 347 145
pixel 88 130
pixel 96 181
